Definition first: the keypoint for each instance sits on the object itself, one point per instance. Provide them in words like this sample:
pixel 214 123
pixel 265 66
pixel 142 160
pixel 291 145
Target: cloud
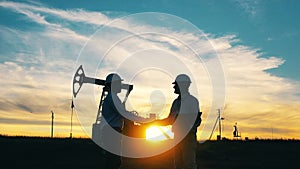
pixel 55 30
pixel 250 7
pixel 77 15
pixel 30 122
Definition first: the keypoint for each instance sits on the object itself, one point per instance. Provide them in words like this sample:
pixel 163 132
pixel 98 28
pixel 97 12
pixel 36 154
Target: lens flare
pixel 159 133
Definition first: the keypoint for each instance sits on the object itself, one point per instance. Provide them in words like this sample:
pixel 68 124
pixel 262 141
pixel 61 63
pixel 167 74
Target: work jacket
pixel 183 114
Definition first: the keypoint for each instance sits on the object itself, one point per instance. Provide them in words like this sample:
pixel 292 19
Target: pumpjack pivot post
pixel 80 78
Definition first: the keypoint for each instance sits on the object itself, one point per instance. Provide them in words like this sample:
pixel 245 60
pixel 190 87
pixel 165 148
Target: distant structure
pixel 219 119
pixel 71 130
pixel 219 137
pixel 236 133
pixel 52 122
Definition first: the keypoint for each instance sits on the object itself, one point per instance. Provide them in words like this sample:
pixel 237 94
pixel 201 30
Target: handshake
pixel 141 120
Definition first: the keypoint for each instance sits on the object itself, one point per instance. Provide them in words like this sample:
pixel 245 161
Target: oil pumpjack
pixel 78 80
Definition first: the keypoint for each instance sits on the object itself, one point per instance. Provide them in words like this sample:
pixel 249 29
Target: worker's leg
pixel 178 163
pixel 189 147
pixel 111 161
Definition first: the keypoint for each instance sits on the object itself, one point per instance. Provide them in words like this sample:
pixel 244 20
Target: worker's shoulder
pixel 191 97
pixel 192 100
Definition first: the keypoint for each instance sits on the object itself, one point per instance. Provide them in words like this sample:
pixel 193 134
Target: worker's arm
pixel 172 116
pixel 120 107
pixel 132 117
pixel 166 121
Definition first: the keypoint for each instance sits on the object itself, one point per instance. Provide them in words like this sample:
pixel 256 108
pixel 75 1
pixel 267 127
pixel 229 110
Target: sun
pixel 159 133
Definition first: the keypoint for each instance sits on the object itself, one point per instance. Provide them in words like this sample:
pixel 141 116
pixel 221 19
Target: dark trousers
pixel 185 152
pixel 111 160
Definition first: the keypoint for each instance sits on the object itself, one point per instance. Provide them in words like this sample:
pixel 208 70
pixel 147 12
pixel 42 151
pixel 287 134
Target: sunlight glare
pixel 159 133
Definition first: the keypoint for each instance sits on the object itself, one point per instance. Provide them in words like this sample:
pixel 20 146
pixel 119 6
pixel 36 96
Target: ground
pixel 63 153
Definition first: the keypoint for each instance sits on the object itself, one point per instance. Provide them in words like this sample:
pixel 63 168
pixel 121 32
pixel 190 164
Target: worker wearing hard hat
pixel 184 111
pixel 114 114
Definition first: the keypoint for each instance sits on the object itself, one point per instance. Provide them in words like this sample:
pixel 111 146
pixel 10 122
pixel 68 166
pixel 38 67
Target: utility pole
pixel 52 123
pixel 218 119
pixel 220 125
pixel 72 107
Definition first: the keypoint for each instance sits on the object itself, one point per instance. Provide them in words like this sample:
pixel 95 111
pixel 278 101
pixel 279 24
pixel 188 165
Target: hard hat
pixel 182 78
pixel 113 77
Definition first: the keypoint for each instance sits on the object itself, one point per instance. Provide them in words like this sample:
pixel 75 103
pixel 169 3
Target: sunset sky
pixel 242 56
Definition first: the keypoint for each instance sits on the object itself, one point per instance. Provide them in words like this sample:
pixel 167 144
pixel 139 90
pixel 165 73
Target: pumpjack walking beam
pixel 80 78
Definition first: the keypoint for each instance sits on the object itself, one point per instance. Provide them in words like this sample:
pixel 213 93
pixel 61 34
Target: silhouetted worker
pixel 184 111
pixel 114 114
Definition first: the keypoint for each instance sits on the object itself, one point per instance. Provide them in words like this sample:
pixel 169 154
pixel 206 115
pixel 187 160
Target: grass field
pixel 46 153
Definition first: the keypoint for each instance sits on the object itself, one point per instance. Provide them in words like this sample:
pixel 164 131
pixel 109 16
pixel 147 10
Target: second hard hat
pixel 182 78
pixel 113 77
